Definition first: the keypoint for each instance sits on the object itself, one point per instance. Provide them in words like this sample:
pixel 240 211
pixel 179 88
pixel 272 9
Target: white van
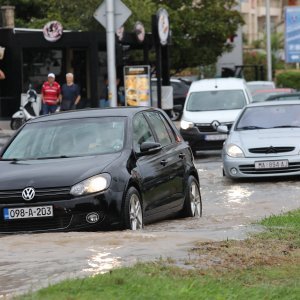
pixel 210 103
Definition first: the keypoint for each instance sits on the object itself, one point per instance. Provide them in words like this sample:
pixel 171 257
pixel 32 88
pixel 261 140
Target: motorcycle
pixel 29 109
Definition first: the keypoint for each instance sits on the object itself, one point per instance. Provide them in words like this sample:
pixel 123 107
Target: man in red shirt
pixel 50 95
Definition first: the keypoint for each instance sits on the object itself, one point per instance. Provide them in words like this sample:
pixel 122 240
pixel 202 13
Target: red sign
pixel 53 31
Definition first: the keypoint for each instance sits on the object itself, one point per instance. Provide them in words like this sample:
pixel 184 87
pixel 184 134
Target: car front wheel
pixel 192 203
pixel 133 213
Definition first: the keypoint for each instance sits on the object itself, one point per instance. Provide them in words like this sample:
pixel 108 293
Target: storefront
pixel 29 57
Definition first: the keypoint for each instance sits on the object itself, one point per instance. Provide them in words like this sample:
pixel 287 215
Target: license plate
pixel 216 137
pixel 28 212
pixel 272 164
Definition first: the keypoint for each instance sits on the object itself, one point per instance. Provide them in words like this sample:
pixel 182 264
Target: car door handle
pixel 182 155
pixel 163 162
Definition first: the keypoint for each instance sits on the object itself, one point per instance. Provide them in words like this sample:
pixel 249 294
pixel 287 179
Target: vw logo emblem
pixel 215 124
pixel 28 193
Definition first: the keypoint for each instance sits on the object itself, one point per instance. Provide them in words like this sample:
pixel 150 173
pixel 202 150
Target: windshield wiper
pixel 286 126
pixel 10 159
pixel 53 157
pixel 252 127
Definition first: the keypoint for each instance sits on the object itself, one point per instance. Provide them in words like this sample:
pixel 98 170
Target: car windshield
pixel 216 100
pixel 271 116
pixel 67 138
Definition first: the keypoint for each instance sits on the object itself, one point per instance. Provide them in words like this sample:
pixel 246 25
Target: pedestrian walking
pixel 70 94
pixel 50 95
pixel 103 101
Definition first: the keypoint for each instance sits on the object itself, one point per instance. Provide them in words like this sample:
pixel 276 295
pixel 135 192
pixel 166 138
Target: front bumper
pixel 203 140
pixel 68 214
pixel 245 167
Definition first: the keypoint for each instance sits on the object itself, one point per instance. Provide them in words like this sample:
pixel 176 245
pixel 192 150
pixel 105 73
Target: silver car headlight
pixel 91 185
pixel 186 124
pixel 234 151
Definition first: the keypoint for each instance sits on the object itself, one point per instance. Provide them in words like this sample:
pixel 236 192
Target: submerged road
pixel 31 261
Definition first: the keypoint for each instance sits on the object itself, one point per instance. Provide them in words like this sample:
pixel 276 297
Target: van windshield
pixel 216 100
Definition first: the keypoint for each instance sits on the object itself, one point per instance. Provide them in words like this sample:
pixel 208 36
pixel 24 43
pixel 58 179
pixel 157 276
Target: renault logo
pixel 215 124
pixel 28 193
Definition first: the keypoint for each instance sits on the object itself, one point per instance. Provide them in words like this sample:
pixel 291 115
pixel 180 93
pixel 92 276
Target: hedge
pixel 289 79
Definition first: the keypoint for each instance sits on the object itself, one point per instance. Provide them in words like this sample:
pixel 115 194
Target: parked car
pixel 264 141
pixel 263 95
pixel 210 103
pixel 260 85
pixel 285 96
pixel 180 91
pixel 79 169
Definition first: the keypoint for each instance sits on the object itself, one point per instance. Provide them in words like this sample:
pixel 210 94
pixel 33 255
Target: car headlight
pixel 91 185
pixel 234 151
pixel 186 124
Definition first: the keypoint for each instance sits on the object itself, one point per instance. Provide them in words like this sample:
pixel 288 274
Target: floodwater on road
pixel 31 261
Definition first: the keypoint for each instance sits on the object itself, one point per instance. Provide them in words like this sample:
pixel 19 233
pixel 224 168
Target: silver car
pixel 264 141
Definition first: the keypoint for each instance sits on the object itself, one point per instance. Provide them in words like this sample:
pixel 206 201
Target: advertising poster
pixel 137 85
pixel 292 34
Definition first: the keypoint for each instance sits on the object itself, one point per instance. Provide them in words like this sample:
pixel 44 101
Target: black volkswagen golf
pixel 121 167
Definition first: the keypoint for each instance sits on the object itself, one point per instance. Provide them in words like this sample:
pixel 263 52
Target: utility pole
pixel 111 54
pixel 269 50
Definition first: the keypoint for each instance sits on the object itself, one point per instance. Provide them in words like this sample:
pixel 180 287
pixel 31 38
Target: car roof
pixel 284 95
pixel 260 82
pixel 275 90
pixel 129 111
pixel 217 84
pixel 270 103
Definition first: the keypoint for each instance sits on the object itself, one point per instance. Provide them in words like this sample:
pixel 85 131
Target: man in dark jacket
pixel 70 94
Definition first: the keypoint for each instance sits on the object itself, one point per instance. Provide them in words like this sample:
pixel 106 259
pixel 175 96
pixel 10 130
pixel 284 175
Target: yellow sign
pixel 137 85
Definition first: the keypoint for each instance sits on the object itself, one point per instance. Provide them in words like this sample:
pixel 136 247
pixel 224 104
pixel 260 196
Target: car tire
pixel 133 211
pixel 16 123
pixel 192 203
pixel 175 115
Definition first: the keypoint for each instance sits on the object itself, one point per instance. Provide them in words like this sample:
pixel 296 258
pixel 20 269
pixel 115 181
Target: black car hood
pixel 51 172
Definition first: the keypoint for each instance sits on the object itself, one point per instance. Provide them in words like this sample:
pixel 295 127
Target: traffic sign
pixel 121 12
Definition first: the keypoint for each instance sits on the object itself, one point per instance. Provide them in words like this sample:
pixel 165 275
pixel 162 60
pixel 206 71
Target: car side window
pixel 141 132
pixel 159 128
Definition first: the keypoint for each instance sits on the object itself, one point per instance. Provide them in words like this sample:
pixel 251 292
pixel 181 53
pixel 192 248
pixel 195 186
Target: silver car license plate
pixel 28 212
pixel 271 164
pixel 216 137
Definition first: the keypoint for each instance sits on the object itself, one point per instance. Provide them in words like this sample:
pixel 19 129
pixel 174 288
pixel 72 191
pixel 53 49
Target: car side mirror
pixel 222 129
pixel 148 148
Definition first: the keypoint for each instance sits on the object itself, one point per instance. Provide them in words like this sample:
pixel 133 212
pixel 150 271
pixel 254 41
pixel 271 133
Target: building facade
pixel 29 57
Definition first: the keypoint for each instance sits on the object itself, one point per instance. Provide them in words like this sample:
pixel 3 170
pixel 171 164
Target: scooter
pixel 29 109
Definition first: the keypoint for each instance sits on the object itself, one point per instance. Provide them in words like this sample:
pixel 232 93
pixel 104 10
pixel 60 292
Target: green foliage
pixel 285 226
pixel 199 28
pixel 159 281
pixel 289 79
pixel 254 58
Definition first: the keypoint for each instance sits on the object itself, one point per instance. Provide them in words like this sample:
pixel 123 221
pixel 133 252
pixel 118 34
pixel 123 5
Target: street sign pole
pixel 111 55
pixel 269 53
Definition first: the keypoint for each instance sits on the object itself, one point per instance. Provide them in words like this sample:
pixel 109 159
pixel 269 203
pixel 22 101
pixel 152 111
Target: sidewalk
pixel 5 130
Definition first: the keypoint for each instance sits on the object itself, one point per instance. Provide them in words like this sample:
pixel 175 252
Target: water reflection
pixel 101 262
pixel 237 194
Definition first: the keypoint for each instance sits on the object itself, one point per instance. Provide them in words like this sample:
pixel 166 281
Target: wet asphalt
pixel 230 211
